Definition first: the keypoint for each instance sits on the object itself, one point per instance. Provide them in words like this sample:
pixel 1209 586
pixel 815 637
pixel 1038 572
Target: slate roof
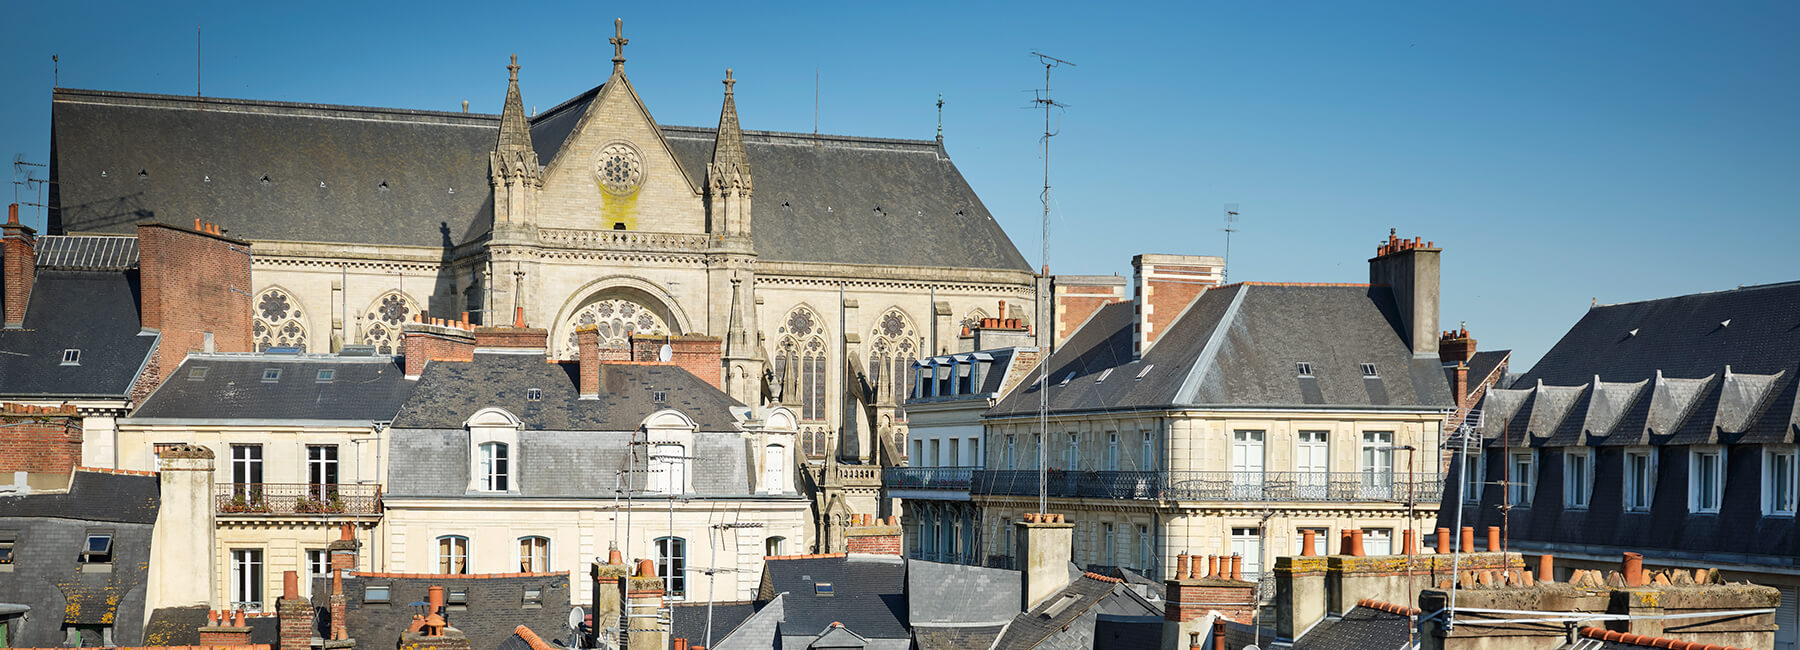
pixel 95 252
pixel 756 632
pixel 868 594
pixel 1237 345
pixel 1361 628
pixel 944 594
pixel 494 612
pixel 998 372
pixel 95 311
pixel 180 626
pixel 448 393
pixel 690 620
pixel 960 637
pixel 434 463
pixel 1028 629
pixel 92 496
pixel 231 387
pixel 206 158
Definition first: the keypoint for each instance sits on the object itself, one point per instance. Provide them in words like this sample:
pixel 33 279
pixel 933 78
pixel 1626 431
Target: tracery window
pixel 974 318
pixel 896 347
pixel 801 349
pixel 616 319
pixel 382 321
pixel 279 321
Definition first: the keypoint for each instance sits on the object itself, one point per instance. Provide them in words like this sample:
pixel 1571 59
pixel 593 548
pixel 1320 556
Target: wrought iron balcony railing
pixel 1396 487
pixel 297 499
pixel 927 478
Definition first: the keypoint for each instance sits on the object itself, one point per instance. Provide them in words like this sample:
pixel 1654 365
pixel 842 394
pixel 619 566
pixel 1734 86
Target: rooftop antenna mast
pixel 1231 219
pixel 196 60
pixel 1043 98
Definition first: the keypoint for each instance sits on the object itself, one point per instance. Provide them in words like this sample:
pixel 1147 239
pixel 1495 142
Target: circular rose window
pixel 621 169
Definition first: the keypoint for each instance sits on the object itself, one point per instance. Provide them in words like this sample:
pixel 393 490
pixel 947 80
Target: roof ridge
pixel 803 136
pixel 456 576
pixel 531 638
pixel 1388 607
pixel 226 102
pixel 1650 641
pixel 110 470
pixel 1741 287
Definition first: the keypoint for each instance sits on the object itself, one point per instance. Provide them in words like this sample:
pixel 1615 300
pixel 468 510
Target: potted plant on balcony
pixel 335 504
pixel 309 505
pixel 245 501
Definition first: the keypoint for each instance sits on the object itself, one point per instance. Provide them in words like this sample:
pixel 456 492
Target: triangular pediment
pixel 616 170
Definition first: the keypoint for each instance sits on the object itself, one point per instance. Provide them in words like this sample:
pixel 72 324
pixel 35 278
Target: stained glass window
pixel 280 323
pixel 616 319
pixel 895 349
pixel 382 321
pixel 801 349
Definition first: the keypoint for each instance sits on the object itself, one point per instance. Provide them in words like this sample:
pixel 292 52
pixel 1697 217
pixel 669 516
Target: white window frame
pixel 1578 491
pixel 668 469
pixel 1633 482
pixel 1321 540
pixel 1109 545
pixel 1012 452
pixel 247 579
pixel 1072 453
pixel 1112 451
pixel 534 554
pixel 1247 541
pixel 494 466
pixel 774 545
pixel 1521 487
pixel 1774 456
pixel 774 469
pixel 492 425
pixel 1474 475
pixel 318 565
pixel 672 550
pixel 1148 451
pixel 447 558
pixel 1698 485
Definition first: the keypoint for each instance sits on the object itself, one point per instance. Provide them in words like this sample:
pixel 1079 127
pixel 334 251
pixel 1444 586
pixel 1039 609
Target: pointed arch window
pixel 616 319
pixel 280 323
pixel 382 321
pixel 895 349
pixel 801 349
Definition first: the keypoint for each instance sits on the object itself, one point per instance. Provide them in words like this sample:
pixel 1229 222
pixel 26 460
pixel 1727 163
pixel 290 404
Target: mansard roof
pixel 348 174
pixel 224 388
pixel 1705 368
pixel 1237 346
pixel 450 392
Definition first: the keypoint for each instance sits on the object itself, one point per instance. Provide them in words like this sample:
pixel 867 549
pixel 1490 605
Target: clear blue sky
pixel 1558 152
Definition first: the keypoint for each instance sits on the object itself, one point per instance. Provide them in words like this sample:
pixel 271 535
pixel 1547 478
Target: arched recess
pixel 382 320
pixel 894 347
pixel 280 322
pixel 618 306
pixel 974 317
pixel 801 349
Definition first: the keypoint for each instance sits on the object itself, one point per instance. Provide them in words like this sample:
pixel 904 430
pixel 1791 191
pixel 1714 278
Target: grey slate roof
pixel 206 157
pixel 449 392
pixel 1361 628
pixel 179 626
pixel 756 632
pixel 1029 629
pixel 959 637
pixel 1237 345
pixel 868 594
pixel 565 464
pixel 231 387
pixel 93 311
pixel 92 496
pixel 496 606
pixel 690 620
pixel 944 594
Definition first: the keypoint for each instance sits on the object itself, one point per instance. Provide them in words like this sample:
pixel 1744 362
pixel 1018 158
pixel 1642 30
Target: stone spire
pixel 728 175
pixel 728 148
pixel 513 166
pixel 737 337
pixel 515 132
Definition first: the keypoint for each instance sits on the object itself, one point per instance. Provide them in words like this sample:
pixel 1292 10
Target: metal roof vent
pixel 359 350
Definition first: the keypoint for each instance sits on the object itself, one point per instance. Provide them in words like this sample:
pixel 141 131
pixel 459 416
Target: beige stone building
pixel 825 263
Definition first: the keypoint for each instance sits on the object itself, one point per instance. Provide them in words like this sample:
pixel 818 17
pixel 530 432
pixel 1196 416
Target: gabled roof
pixel 449 392
pixel 1238 345
pixel 867 595
pixel 94 311
pixel 234 387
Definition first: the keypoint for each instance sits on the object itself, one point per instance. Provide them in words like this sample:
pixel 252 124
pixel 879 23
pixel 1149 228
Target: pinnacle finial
pixel 512 69
pixel 619 42
pixel 729 82
pixel 940 106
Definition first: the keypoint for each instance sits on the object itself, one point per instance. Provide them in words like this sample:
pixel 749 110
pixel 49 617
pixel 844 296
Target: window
pixel 1072 453
pixel 1474 476
pixel 1112 451
pixel 534 554
pixel 247 579
pixel 955 457
pixel 800 362
pixel 1147 452
pixel 1144 560
pixel 1706 480
pixel 1640 479
pixel 774 546
pixel 1246 464
pixel 534 598
pixel 382 320
pixel 1109 547
pixel 6 551
pixel 271 375
pixel 280 322
pixel 98 549
pixel 534 394
pixel 1369 371
pixel 1248 543
pixel 1145 371
pixel 1378 541
pixel 668 469
pixel 1012 452
pixel 1578 479
pixel 246 465
pixel 1321 540
pixel 457 597
pixel 326 375
pixel 671 565
pixel 87 636
pixel 1779 485
pixel 375 594
pixel 1519 479
pixel 494 469
pixel 934 458
pixel 1303 368
pixel 822 589
pixel 318 565
pixel 453 554
pixel 322 472
pixel 918 453
pixel 1312 461
pixel 1006 527
pixel 616 320
pixel 71 357
pixel 975 453
pixel 197 374
pixel 774 469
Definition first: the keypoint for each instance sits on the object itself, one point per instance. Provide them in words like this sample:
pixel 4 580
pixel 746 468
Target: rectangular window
pixel 668 470
pixel 1779 485
pixel 246 465
pixel 955 458
pixel 326 375
pixel 247 579
pixel 1012 452
pixel 1519 479
pixel 6 550
pixel 1378 464
pixel 1147 452
pixel 671 565
pixel 318 565
pixel 1321 540
pixel 1246 464
pixel 934 457
pixel 918 453
pixel 1109 547
pixel 1578 479
pixel 322 471
pixel 1640 479
pixel 1706 479
pixel 975 459
pixel 1378 541
pixel 1474 475
pixel 71 357
pixel 1143 560
pixel 271 375
pixel 495 467
pixel 1112 451
pixel 375 594
pixel 1247 543
pixel 1312 464
pixel 1072 453
pixel 774 469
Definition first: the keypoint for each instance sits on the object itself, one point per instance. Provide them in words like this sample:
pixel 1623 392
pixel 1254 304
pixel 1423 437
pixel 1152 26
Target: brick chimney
pixel 1192 597
pixel 20 266
pixel 1410 268
pixel 436 339
pixel 872 534
pixel 999 332
pixel 432 633
pixel 179 577
pixel 43 440
pixel 194 284
pixel 1045 545
pixel 1456 346
pixel 643 598
pixel 700 355
pixel 587 354
pixel 295 615
pixel 1077 297
pixel 344 549
pixel 225 628
pixel 1163 286
pixel 518 336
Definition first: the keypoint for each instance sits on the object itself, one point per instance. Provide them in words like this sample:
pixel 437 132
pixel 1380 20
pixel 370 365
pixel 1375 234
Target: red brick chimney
pixel 1456 346
pixel 40 439
pixel 1410 269
pixel 195 283
pixel 225 628
pixel 872 535
pixel 20 266
pixel 1163 287
pixel 294 614
pixel 1193 597
pixel 587 353
pixel 436 339
pixel 517 336
pixel 1077 297
pixel 701 355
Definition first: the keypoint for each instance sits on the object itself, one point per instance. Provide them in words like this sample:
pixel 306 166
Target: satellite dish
pixel 665 353
pixel 576 618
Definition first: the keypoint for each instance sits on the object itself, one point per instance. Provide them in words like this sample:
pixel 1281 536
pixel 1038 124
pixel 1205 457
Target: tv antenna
pixel 1043 98
pixel 1231 219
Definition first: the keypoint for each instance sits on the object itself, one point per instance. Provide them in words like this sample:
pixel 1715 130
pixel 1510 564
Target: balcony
pixel 927 478
pixel 297 499
pixel 1394 487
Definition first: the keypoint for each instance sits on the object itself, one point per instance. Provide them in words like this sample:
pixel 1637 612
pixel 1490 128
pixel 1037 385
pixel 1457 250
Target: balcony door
pixel 321 471
pixel 246 469
pixel 1311 464
pixel 1246 464
pixel 1378 464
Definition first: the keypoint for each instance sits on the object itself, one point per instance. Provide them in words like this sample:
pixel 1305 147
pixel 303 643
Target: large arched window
pixel 671 564
pixel 453 554
pixel 381 322
pixel 800 348
pixel 895 348
pixel 617 319
pixel 280 323
pixel 534 554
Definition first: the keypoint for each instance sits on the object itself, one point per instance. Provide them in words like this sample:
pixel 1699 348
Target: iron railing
pixel 927 478
pixel 1396 487
pixel 297 499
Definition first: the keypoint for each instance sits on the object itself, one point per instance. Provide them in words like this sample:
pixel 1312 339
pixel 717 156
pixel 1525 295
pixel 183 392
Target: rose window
pixel 279 322
pixel 616 320
pixel 621 169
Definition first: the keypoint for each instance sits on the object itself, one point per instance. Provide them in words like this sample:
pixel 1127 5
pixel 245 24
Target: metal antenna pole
pixel 1049 62
pixel 1231 217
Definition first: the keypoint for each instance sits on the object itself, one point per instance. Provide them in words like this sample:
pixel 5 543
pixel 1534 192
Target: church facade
pixel 824 265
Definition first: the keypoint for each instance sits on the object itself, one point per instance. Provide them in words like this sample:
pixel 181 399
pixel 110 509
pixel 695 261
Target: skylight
pixel 1369 370
pixel 533 394
pixel 1103 375
pixel 271 375
pixel 197 374
pixel 71 357
pixel 1304 368
pixel 1145 371
pixel 822 588
pixel 1067 378
pixel 326 375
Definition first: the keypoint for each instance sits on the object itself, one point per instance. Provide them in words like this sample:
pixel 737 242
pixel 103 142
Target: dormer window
pixel 495 467
pixel 271 375
pixel 493 451
pixel 71 357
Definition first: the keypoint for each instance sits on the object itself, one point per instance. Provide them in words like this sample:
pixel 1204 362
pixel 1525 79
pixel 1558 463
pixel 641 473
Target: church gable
pixel 615 171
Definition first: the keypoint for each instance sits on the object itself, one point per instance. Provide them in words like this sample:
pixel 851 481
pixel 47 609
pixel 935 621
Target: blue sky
pixel 1558 152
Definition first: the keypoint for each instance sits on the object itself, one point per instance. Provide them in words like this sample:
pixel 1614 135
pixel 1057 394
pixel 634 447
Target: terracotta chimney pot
pixel 613 557
pixel 1493 539
pixel 1237 567
pixel 290 585
pixel 646 568
pixel 1468 540
pixel 1307 538
pixel 1212 566
pixel 1443 540
pixel 1356 542
pixel 1634 569
pixel 1546 568
pixel 1181 565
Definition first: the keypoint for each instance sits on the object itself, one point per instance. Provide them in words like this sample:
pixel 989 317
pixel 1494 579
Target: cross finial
pixel 618 42
pixel 940 106
pixel 512 69
pixel 729 82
